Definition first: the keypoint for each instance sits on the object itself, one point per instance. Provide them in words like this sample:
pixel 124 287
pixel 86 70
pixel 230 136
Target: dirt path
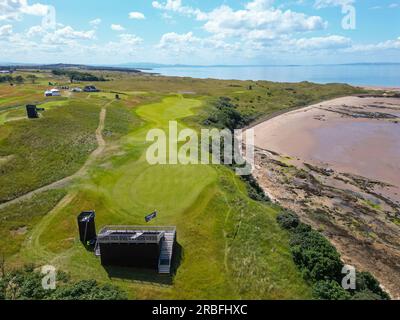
pixel 65 181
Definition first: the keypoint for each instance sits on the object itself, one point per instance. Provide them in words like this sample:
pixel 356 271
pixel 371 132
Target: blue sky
pixel 200 32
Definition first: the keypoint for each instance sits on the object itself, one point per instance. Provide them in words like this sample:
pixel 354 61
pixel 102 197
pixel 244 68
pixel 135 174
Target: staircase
pixel 167 246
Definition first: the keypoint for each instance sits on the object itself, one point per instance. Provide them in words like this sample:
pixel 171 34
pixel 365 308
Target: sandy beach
pixel 337 165
pixel 351 134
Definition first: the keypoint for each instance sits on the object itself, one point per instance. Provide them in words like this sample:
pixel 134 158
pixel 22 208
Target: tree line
pixel 77 76
pixel 18 79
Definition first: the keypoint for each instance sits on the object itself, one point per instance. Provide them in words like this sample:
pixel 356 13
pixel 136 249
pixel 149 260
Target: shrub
pixel 26 284
pixel 225 115
pixel 330 290
pixel 88 290
pixel 320 263
pixel 254 190
pixel 367 282
pixel 288 220
pixel 365 295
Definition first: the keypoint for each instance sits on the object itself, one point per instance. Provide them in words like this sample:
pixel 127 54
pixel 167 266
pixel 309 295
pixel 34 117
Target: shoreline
pixel 282 112
pixel 356 212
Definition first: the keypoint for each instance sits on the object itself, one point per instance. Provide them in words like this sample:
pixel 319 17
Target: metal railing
pixel 137 228
pixel 132 234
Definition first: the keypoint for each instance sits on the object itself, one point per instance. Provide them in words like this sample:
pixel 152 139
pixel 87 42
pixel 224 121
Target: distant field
pixel 232 246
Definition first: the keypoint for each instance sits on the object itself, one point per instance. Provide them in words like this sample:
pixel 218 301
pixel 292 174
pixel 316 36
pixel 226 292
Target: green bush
pixel 330 290
pixel 254 190
pixel 366 282
pixel 320 264
pixel 288 220
pixel 315 256
pixel 365 295
pixel 225 115
pixel 88 290
pixel 26 284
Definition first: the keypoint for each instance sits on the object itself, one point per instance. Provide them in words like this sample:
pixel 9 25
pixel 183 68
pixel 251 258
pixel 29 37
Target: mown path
pixel 65 181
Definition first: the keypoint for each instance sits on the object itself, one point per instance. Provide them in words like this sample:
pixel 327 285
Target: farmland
pixel 231 246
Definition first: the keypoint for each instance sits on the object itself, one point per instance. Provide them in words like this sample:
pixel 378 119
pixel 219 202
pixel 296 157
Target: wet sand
pixel 356 135
pixel 337 165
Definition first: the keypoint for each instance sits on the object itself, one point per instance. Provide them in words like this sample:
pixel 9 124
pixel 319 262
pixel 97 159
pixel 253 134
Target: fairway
pixel 208 204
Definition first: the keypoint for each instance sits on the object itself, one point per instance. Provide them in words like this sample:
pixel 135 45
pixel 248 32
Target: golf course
pixel 87 151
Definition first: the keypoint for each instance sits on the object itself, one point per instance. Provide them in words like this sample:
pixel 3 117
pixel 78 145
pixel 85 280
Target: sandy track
pixel 65 181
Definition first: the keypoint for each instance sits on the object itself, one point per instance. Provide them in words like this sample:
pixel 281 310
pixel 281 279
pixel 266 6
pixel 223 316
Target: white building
pixel 52 93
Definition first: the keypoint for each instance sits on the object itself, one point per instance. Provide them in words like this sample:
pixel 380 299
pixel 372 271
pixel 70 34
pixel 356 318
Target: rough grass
pixel 17 220
pixel 47 149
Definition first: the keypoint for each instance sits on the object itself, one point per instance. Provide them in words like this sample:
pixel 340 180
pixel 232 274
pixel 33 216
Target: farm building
pixel 138 247
pixel 91 89
pixel 52 93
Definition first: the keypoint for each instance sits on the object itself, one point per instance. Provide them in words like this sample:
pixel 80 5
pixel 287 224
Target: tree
pixel 32 78
pixel 19 79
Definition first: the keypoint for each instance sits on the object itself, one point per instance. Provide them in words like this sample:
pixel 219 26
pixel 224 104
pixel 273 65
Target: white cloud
pixel 173 42
pixel 6 30
pixel 67 35
pixel 176 6
pixel 136 15
pixel 125 47
pixel 318 43
pixel 319 4
pixel 384 45
pixel 258 21
pixel 117 27
pixel 130 39
pixel 14 9
pixel 95 22
pixel 35 31
pixel 259 4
